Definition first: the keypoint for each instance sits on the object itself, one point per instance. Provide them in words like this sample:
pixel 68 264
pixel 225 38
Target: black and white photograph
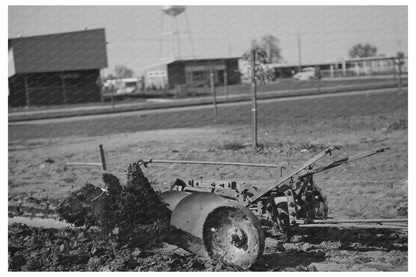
pixel 214 137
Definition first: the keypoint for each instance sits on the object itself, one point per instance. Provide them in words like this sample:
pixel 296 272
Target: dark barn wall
pixel 176 74
pixel 17 95
pixel 44 88
pixel 84 88
pixel 49 89
pixel 233 73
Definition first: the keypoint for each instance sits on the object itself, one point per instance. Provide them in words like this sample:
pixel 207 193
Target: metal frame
pixel 304 200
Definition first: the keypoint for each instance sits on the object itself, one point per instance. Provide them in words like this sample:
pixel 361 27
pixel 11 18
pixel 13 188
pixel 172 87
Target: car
pixel 307 73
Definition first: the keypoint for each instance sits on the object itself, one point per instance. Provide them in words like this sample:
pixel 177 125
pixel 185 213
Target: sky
pixel 134 36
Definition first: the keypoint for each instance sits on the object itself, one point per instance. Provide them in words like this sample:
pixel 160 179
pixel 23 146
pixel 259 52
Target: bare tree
pixel 270 45
pixel 362 50
pixel 260 59
pixel 122 71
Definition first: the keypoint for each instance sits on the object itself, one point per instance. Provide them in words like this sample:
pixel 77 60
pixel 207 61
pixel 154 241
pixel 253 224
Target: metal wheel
pixel 234 236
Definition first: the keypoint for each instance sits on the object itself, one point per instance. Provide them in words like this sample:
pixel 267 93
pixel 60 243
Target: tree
pixel 257 57
pixel 362 50
pixel 122 71
pixel 400 55
pixel 261 59
pixel 270 45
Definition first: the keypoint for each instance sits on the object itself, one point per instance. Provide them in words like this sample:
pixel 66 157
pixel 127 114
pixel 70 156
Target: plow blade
pixel 215 227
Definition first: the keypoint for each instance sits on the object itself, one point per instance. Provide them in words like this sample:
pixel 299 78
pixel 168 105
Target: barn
pixel 61 68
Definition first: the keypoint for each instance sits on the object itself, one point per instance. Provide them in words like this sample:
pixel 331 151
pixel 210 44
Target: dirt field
pixel 289 131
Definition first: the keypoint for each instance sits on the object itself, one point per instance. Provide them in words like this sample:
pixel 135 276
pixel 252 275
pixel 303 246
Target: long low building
pixel 345 67
pixel 193 73
pixel 59 68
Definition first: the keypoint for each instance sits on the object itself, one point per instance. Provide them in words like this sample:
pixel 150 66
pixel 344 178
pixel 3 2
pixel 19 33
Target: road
pixel 270 111
pixel 194 108
pixel 279 90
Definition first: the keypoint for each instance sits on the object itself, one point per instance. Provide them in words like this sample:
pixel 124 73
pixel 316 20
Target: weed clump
pixel 131 215
pixel 400 124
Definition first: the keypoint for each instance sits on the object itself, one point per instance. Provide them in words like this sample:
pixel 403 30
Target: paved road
pixel 156 100
pixel 91 109
pixel 197 107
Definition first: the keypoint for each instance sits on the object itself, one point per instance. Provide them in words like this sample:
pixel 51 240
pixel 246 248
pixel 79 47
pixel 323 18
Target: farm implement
pixel 229 220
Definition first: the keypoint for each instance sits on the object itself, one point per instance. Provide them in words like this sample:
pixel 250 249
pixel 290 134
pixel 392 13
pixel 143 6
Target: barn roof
pixel 78 50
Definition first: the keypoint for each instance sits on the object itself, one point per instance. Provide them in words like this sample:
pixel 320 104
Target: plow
pixel 228 221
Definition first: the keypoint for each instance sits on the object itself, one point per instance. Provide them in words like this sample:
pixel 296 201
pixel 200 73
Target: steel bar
pixel 181 162
pixel 211 163
pixel 367 226
pixel 83 164
pixel 291 174
pixel 348 160
pixel 397 223
pixel 381 220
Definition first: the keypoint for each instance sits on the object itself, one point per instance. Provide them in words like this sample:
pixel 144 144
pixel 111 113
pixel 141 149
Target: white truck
pixel 307 73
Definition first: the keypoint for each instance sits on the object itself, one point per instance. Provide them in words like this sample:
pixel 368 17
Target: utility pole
pixel 190 35
pixel 178 39
pixel 27 94
pixel 254 99
pixel 299 52
pixel 226 84
pixel 214 96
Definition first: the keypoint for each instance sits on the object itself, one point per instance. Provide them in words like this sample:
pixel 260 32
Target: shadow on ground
pixel 289 261
pixel 358 239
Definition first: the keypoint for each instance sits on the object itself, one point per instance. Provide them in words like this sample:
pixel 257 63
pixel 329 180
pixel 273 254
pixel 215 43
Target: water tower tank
pixel 173 10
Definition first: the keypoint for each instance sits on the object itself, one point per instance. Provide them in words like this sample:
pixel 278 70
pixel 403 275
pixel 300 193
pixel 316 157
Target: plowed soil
pixel 293 131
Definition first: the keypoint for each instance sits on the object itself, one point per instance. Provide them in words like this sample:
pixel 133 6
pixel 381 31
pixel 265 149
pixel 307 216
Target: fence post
pixel 214 96
pixel 226 84
pixel 112 99
pixel 102 155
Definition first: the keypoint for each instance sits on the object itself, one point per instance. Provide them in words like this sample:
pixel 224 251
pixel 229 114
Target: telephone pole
pixel 299 51
pixel 214 96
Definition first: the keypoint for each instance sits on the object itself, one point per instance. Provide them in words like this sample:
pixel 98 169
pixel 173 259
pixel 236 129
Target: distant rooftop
pixel 79 50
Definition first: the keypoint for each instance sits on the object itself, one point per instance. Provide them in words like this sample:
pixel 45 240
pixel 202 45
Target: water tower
pixel 174 33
